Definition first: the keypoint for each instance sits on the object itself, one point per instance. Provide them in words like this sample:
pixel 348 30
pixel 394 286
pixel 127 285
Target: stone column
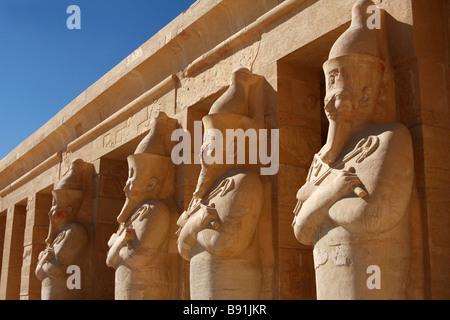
pixel 36 229
pixel 12 253
pixel 108 201
pixel 300 137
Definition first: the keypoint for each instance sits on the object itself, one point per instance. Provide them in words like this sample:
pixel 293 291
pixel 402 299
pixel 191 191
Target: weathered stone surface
pixel 139 250
pixel 219 231
pixel 354 205
pixel 68 238
pixel 182 71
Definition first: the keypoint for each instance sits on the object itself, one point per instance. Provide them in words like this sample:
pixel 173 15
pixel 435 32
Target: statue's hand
pixel 344 183
pixel 48 253
pixel 112 239
pixel 306 191
pixel 128 235
pixel 182 220
pixel 209 216
pixel 41 255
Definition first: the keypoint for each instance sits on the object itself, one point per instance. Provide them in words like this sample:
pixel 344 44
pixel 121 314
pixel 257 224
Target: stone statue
pixel 354 205
pixel 139 249
pixel 67 239
pixel 219 231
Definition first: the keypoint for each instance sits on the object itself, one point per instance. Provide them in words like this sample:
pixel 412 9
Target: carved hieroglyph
pixel 67 239
pixel 353 206
pixel 139 249
pixel 220 230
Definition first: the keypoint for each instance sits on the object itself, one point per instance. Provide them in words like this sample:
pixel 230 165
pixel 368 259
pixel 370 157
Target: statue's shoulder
pixel 395 145
pixel 244 178
pixel 392 130
pixel 396 135
pixel 155 204
pixel 397 129
pixel 74 231
pixel 237 181
pixel 152 207
pixel 75 228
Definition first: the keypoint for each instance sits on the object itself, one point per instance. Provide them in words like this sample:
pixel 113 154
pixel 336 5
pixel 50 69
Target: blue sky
pixel 44 65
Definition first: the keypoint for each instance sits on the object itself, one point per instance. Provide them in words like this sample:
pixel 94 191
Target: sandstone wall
pixel 182 70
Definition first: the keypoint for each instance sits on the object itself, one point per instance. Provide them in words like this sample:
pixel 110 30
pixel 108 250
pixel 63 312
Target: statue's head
pixel 150 170
pixel 68 197
pixel 230 112
pixel 243 76
pixel 352 87
pixel 66 203
pixel 353 74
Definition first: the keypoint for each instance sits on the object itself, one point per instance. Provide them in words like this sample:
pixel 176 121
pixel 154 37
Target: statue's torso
pixel 238 276
pixel 142 270
pixel 69 247
pixel 351 240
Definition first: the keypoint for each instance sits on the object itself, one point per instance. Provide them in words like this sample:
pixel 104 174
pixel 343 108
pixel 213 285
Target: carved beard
pixel 205 181
pixel 338 134
pixel 130 206
pixel 52 233
pixel 54 228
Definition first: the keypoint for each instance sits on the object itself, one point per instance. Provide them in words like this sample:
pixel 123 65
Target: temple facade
pixel 260 65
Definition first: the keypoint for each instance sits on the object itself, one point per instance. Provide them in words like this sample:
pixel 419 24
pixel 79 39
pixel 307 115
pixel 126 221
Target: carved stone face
pixel 65 202
pixel 64 208
pixel 137 186
pixel 352 84
pixel 217 153
pixel 137 189
pixel 341 109
pixel 339 105
pixel 57 212
pixel 146 175
pixel 353 79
